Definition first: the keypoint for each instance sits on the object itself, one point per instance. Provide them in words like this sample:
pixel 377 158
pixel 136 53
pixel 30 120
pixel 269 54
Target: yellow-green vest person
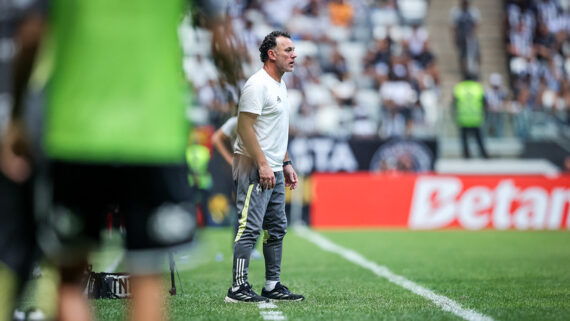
pixel 469 101
pixel 198 157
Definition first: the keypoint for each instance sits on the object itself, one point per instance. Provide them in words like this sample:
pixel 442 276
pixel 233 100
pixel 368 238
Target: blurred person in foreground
pixel 262 169
pixel 469 108
pixel 115 132
pixel 19 252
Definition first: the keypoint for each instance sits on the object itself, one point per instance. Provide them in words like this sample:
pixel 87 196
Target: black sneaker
pixel 281 292
pixel 244 294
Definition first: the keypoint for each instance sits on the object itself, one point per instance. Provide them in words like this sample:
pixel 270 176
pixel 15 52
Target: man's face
pixel 284 54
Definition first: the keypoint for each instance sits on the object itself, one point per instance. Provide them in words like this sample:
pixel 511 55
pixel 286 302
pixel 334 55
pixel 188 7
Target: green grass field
pixel 507 275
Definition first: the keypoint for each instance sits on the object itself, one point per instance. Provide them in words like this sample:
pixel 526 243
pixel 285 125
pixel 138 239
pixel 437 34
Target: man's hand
pixel 15 161
pixel 266 177
pixel 290 176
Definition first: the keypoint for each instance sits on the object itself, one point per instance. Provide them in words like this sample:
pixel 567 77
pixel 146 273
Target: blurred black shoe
pixel 281 292
pixel 244 294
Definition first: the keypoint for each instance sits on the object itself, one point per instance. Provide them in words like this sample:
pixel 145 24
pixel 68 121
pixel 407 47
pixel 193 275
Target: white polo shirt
pixel 264 96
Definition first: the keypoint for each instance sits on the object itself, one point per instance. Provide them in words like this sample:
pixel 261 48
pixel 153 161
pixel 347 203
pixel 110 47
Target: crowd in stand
pixel 364 67
pixel 537 34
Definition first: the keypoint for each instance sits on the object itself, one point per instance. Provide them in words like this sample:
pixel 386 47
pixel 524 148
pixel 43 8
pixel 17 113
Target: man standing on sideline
pixel 262 169
pixel 469 103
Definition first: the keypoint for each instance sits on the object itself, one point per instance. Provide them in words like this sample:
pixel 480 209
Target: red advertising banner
pixel 440 201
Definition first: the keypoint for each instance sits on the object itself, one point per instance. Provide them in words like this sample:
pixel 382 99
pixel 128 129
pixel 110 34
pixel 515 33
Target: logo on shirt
pixel 278 99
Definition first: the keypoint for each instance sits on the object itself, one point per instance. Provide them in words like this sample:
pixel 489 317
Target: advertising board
pixel 440 201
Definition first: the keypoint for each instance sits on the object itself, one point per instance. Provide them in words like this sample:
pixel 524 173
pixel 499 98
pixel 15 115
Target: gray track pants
pixel 258 209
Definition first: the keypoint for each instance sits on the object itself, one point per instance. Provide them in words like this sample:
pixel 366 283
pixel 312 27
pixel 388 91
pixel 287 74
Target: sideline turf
pixel 507 275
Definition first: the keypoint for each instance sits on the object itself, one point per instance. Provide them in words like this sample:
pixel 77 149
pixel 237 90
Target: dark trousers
pixel 476 132
pixel 260 210
pixel 18 247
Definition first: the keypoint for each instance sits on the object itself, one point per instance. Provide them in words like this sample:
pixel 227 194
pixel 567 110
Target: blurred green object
pixel 45 295
pixel 198 158
pixel 39 296
pixel 7 290
pixel 469 95
pixel 116 92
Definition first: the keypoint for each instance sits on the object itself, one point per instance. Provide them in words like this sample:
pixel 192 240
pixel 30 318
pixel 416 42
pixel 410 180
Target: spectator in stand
pixel 298 24
pixel 547 10
pixel 518 11
pixel 398 90
pixel 558 25
pixel 344 91
pixel 309 23
pixel 531 76
pixel 468 101
pixel 520 42
pixel 305 123
pixel 279 12
pixel 426 61
pixel 200 70
pixel 377 61
pixel 341 13
pixel 520 110
pixel 250 38
pixel 546 97
pixel 336 64
pixel 313 8
pixel 417 40
pixel 417 114
pixel 316 93
pixel 393 122
pixel 363 126
pixel 464 28
pixel 314 23
pixel 544 42
pixel 564 101
pixel 308 70
pixel 205 94
pixel 237 7
pixel 387 11
pixel 219 98
pixel 539 81
pixel 495 99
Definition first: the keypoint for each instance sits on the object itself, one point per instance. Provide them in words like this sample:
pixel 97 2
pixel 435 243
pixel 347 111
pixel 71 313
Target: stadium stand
pixel 364 68
pixel 538 50
pixel 372 72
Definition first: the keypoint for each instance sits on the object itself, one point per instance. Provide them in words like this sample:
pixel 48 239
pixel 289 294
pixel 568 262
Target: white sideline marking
pixel 443 302
pixel 270 314
pixel 267 305
pixel 111 268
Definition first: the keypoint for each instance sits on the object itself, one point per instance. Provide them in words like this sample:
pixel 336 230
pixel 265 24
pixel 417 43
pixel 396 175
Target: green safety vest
pixel 198 157
pixel 469 97
pixel 117 89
